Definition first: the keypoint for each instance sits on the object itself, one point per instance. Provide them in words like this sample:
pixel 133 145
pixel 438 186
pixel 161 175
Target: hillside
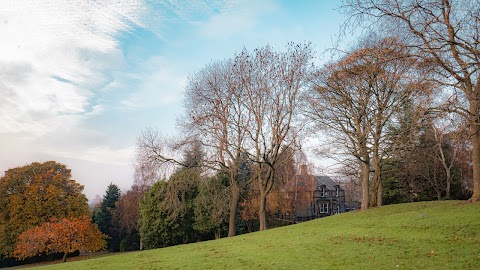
pixel 427 235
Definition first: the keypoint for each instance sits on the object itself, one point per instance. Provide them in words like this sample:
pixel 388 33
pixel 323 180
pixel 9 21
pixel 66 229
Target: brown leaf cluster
pixel 60 235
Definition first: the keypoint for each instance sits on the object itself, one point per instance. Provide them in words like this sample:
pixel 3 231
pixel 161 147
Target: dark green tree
pixel 167 211
pixel 156 227
pixel 212 206
pixel 103 216
pixel 167 214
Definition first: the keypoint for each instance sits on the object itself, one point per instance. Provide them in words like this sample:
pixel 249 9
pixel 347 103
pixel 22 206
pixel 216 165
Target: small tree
pixel 64 235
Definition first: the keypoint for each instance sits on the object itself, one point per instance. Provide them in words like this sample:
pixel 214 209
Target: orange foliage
pixel 64 235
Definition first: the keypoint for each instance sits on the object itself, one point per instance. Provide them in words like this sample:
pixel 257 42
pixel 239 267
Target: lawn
pixel 426 235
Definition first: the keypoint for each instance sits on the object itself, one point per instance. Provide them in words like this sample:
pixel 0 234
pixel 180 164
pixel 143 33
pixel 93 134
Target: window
pixel 322 191
pixel 324 207
pixel 337 191
pixel 338 208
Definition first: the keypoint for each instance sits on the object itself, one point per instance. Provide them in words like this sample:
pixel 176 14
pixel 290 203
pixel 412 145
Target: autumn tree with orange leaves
pixel 60 235
pixel 33 194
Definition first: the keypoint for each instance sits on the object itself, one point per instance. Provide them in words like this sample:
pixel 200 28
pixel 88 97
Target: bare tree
pixel 273 82
pixel 215 112
pixel 446 157
pixel 394 80
pixel 339 103
pixel 445 33
pixel 356 97
pixel 145 175
pixel 157 156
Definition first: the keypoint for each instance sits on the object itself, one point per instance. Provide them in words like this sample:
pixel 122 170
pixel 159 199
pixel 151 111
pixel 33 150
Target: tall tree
pixel 394 81
pixel 33 194
pixel 214 103
pixel 445 33
pixel 356 97
pixel 339 103
pixel 104 216
pixel 273 83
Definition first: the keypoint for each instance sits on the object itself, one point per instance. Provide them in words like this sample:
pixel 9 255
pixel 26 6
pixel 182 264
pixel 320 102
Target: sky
pixel 80 79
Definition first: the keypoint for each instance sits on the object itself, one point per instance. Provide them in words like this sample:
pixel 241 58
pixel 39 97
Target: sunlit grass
pixel 427 235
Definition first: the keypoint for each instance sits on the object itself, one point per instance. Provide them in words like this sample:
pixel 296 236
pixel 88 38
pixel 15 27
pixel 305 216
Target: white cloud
pixel 57 58
pixel 53 55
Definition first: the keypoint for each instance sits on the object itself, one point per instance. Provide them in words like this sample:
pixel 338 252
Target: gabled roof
pixel 325 180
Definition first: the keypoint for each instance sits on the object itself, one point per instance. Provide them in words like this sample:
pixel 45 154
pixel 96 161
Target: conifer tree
pixel 103 216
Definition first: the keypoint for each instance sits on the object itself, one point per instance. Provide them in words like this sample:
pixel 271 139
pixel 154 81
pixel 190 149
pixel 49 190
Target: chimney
pixel 303 169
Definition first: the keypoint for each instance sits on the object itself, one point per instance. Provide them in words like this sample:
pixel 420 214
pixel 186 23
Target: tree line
pixel 399 110
pixel 192 205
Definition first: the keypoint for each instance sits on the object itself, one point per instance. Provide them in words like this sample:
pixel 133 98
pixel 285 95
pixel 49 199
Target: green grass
pixel 427 235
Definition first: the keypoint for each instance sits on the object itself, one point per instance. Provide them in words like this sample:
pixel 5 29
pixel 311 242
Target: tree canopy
pixel 64 235
pixel 32 195
pixel 442 33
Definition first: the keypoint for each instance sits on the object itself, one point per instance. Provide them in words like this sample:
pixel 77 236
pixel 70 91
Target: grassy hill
pixel 427 235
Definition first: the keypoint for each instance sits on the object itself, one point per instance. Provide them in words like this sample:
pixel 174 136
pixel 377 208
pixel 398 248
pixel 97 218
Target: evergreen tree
pixel 211 206
pixel 103 216
pixel 167 215
pixel 167 211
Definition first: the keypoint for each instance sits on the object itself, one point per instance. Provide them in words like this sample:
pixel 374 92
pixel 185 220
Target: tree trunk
pixel 380 190
pixel 233 208
pixel 364 179
pixel 376 195
pixel 64 259
pixel 475 133
pixel 376 192
pixel 262 215
pixel 447 189
pixel 265 185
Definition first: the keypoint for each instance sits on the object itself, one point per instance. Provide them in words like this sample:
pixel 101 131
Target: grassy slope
pixel 428 235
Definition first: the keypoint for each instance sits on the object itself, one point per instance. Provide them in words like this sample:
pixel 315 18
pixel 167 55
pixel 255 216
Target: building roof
pixel 325 180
